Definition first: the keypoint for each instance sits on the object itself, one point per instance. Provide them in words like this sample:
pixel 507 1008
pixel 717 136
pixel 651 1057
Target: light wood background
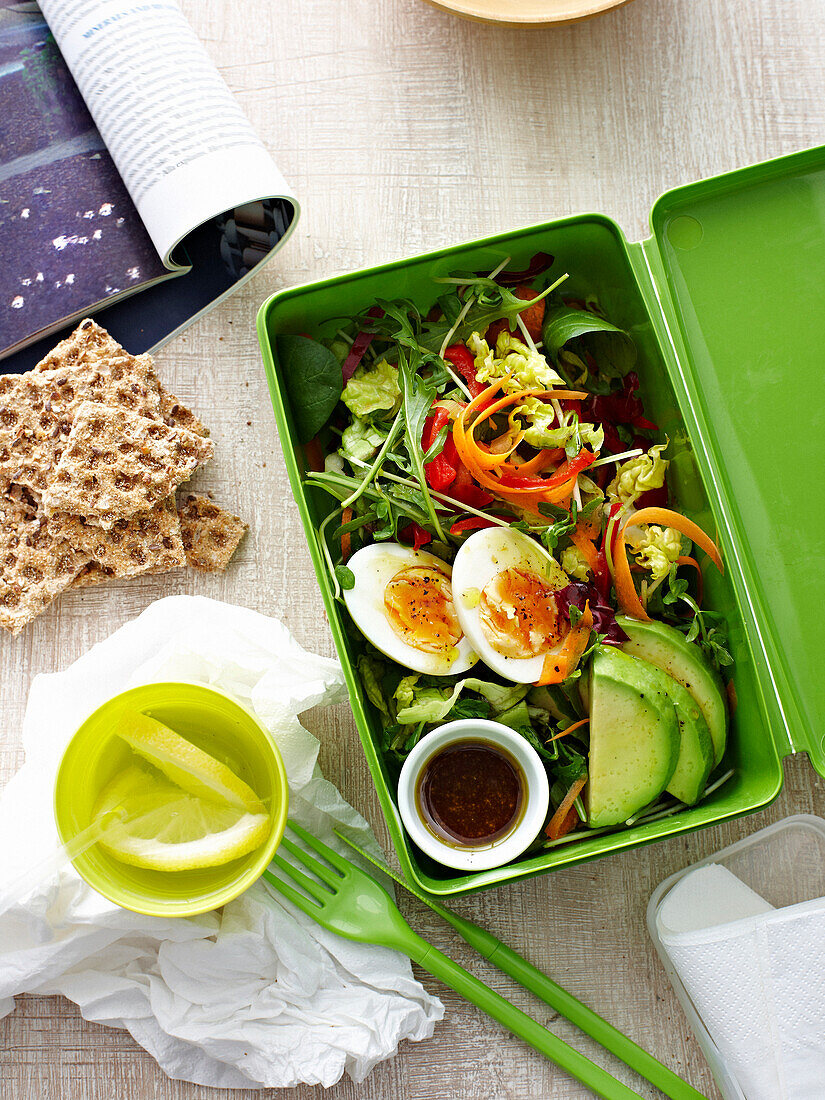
pixel 404 129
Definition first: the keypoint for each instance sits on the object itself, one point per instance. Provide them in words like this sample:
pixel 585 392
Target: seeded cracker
pixel 91 349
pixel 179 416
pixel 88 346
pixel 35 565
pixel 117 464
pixel 210 534
pixel 92 447
pixel 37 409
pixel 148 543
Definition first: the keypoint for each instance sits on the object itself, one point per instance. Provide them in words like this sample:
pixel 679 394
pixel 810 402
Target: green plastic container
pixel 724 301
pixel 215 723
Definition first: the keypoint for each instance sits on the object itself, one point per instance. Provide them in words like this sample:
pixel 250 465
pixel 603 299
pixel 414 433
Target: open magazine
pixel 126 165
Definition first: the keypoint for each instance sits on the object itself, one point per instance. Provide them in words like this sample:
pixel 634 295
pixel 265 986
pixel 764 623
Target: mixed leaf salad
pixel 503 541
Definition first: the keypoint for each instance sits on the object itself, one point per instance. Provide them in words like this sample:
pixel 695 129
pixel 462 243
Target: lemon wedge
pixel 192 769
pixel 161 826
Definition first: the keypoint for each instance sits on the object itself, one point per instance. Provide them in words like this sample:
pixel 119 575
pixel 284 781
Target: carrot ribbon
pixel 625 589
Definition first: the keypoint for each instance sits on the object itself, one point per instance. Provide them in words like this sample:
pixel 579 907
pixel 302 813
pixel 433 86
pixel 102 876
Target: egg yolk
pixel 418 603
pixel 518 614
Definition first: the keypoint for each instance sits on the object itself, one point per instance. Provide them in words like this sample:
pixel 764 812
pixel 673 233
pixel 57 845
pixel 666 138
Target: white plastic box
pixel 785 864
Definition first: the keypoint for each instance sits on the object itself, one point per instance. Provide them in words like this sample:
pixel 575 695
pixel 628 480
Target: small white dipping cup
pixel 506 848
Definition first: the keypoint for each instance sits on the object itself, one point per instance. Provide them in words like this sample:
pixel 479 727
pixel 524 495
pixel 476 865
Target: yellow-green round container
pixel 215 723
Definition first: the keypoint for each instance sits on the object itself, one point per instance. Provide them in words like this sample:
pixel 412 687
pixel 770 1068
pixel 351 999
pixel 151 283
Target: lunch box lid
pixel 737 267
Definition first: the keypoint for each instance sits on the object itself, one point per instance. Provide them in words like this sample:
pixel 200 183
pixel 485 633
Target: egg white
pixel 373 567
pixel 485 554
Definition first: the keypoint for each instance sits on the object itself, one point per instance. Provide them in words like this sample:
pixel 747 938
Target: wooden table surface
pixel 403 129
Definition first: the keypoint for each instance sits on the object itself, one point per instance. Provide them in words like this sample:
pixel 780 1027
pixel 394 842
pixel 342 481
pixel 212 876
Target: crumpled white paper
pixel 256 994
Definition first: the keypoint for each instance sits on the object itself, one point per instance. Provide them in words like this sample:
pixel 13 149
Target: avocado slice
pixel 696 745
pixel 634 737
pixel 665 647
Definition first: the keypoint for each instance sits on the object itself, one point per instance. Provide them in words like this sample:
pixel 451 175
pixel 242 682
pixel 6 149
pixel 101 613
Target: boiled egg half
pixel 503 587
pixel 402 602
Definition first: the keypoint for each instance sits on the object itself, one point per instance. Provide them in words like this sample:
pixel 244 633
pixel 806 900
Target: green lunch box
pixel 725 303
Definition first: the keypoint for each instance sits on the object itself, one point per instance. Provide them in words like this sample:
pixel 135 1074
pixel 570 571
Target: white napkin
pixel 757 978
pixel 253 995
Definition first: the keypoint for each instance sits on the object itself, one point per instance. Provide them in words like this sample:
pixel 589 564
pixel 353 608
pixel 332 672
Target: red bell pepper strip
pixel 465 490
pixel 416 534
pixel 446 473
pixel 472 523
pixel 464 362
pixel 441 471
pixel 565 472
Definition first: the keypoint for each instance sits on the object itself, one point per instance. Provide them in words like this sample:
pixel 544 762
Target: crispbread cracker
pixel 92 448
pixel 35 566
pixel 210 534
pixel 88 346
pixel 177 415
pixel 37 411
pixel 147 543
pixel 91 346
pixel 92 574
pixel 116 464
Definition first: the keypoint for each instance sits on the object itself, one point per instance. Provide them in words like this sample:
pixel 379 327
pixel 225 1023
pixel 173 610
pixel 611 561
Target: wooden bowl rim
pixel 476 11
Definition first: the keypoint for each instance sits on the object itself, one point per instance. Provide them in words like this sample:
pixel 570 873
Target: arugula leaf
pixel 549 753
pixel 707 628
pixel 417 398
pixel 450 306
pixel 470 708
pixel 396 500
pixel 345 577
pixel 570 766
pixel 313 380
pixel 612 348
pixel 491 302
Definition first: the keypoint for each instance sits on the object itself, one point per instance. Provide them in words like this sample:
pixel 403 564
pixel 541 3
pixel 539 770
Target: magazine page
pixel 184 148
pixel 70 236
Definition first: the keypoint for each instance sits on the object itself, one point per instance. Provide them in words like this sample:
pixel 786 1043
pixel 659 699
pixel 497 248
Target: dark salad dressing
pixel 470 793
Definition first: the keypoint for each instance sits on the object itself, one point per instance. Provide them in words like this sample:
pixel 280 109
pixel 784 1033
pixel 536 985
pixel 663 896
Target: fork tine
pixel 307 905
pixel 327 875
pixel 338 861
pixel 315 889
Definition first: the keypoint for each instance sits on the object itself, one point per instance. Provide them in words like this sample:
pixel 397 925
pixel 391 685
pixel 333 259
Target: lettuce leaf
pixel 372 388
pixel 656 548
pixel 425 703
pixel 637 475
pixel 361 440
pixel 541 428
pixel 529 370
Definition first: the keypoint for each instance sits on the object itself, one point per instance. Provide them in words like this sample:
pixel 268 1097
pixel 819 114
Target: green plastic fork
pixel 345 899
pixel 527 975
